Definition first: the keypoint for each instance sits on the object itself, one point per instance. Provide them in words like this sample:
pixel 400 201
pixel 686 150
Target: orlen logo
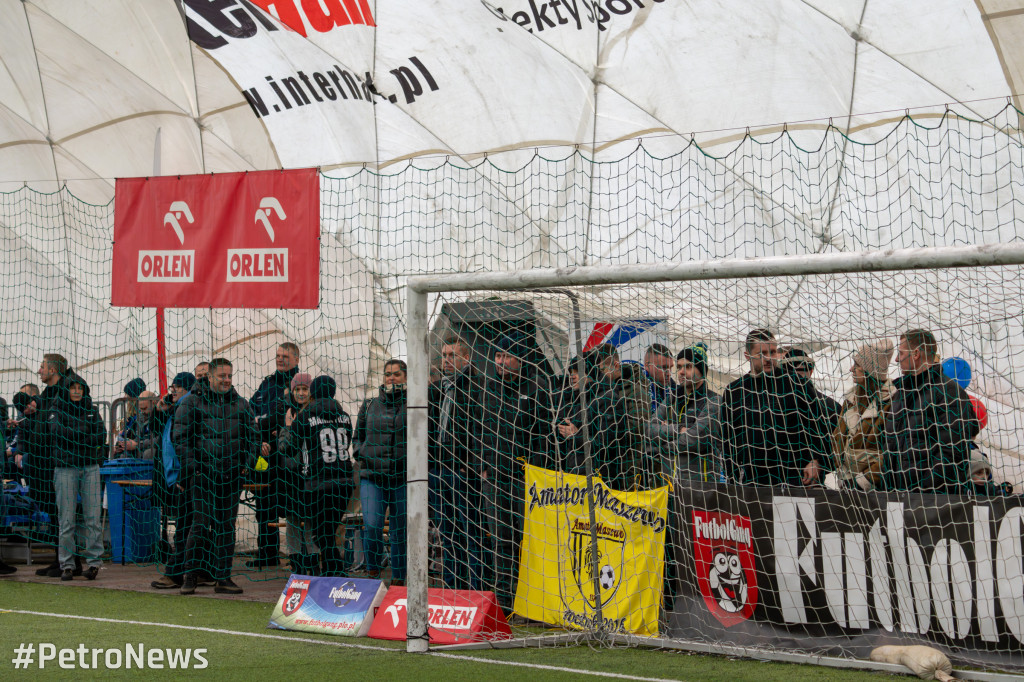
pixel 441 616
pixel 261 265
pixel 175 265
pixel 238 19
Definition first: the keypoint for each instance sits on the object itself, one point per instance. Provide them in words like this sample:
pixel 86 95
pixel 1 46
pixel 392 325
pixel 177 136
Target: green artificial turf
pixel 300 657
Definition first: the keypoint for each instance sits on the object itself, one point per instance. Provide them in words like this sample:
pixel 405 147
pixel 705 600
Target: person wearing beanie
pixel 931 426
pixel 134 388
pixel 301 379
pixel 313 448
pixel 140 435
pixel 379 445
pixel 184 381
pixel 800 363
pixel 982 481
pixel 683 428
pixel 174 501
pixel 264 405
pixel 285 484
pixel 858 437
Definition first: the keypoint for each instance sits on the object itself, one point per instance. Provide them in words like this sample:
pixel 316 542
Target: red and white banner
pixel 454 616
pixel 233 240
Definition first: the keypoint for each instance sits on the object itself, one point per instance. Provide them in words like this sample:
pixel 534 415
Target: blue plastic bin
pixel 134 522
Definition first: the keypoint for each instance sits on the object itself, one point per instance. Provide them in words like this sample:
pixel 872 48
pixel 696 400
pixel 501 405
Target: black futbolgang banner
pixel 841 572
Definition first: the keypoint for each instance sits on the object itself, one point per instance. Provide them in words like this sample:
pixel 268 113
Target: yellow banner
pixel 556 583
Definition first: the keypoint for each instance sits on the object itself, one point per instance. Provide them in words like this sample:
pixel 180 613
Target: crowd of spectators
pixel 642 425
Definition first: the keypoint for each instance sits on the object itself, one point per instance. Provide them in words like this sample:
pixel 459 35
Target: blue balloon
pixel 958 370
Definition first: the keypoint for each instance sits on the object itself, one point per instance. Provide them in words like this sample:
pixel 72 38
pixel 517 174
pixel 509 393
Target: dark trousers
pixel 268 539
pixel 210 545
pixel 457 510
pixel 322 511
pixel 39 478
pixel 178 506
pixel 508 534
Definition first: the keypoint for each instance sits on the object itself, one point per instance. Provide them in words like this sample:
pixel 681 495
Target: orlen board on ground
pixel 453 616
pixel 332 606
pixel 230 240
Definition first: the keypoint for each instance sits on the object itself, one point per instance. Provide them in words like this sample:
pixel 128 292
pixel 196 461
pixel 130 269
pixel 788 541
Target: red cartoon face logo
pixel 723 550
pixel 294 596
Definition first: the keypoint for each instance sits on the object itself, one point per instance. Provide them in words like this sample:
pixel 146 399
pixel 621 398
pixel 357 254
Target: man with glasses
pixel 930 426
pixel 773 428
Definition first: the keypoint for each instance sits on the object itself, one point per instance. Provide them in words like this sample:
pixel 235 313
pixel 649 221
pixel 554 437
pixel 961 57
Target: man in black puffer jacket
pixel 215 438
pixel 515 430
pixel 930 425
pixel 380 448
pixel 314 447
pixel 78 437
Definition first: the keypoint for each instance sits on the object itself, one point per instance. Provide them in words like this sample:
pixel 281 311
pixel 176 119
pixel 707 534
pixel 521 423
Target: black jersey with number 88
pixel 316 446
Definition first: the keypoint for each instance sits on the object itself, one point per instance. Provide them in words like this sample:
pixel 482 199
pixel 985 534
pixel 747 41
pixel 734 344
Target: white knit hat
pixel 874 358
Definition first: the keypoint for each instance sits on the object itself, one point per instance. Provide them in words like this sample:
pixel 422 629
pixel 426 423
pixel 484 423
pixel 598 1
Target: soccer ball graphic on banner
pixel 607 577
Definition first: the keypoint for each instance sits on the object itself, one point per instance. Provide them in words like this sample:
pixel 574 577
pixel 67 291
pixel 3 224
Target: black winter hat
pixel 322 387
pixel 185 380
pixel 21 400
pixel 134 388
pixel 698 355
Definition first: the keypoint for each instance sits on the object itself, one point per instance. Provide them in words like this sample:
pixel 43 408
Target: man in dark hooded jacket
pixel 930 425
pixel 215 438
pixel 515 428
pixel 78 437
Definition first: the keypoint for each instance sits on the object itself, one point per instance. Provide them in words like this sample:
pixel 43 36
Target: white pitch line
pixel 346 645
pixel 557 668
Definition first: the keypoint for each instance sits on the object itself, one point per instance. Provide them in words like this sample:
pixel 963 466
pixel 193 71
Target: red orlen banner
pixel 453 616
pixel 233 240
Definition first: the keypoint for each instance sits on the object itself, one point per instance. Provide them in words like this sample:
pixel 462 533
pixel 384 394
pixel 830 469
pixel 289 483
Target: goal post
pixel 418 289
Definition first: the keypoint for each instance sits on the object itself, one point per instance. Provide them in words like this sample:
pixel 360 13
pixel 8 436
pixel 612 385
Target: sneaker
pixel 260 563
pixel 7 569
pixel 51 571
pixel 227 586
pixel 188 585
pixel 166 583
pixel 91 572
pixel 68 574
